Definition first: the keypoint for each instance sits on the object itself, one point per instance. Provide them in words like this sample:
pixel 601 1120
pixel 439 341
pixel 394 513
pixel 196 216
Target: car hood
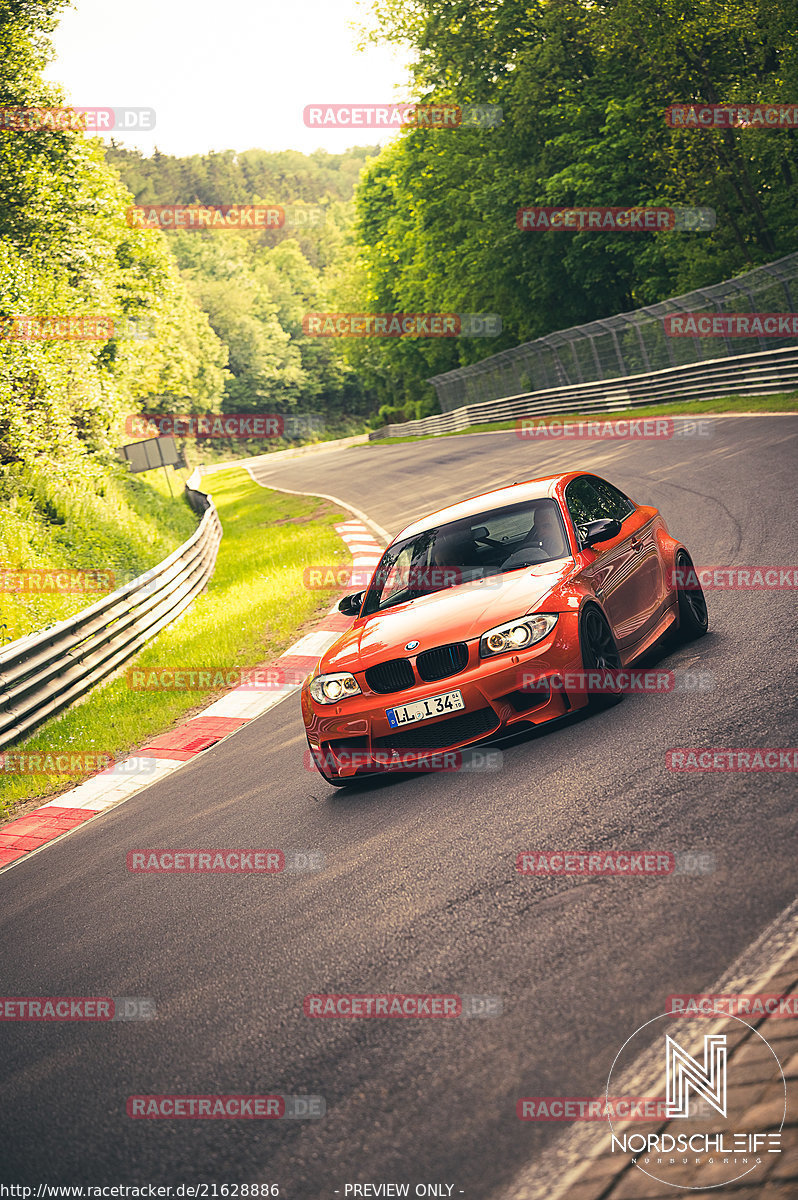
pixel 456 614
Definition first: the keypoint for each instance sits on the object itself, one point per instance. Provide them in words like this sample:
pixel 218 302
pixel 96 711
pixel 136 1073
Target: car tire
pixel 599 652
pixel 693 618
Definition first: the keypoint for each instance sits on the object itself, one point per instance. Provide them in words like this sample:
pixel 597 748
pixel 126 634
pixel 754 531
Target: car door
pixel 648 594
pixel 624 571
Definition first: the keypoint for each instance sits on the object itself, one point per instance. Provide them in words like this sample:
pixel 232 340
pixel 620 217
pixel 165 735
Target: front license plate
pixel 422 710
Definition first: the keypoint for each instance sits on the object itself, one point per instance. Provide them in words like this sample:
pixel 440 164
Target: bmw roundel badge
pixel 411 645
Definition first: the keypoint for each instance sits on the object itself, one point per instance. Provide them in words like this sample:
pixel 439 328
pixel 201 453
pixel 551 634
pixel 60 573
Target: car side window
pixel 398 576
pixel 583 503
pixel 613 503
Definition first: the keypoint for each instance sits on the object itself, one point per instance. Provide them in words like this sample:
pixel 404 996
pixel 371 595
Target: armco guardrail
pixel 45 672
pixel 628 343
pixel 760 374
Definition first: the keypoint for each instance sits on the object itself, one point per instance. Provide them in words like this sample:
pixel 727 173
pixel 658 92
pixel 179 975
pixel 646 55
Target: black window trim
pixel 590 476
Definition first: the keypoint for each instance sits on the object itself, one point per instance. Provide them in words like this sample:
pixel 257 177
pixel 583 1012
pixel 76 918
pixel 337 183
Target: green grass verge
pixel 251 611
pixel 102 519
pixel 784 402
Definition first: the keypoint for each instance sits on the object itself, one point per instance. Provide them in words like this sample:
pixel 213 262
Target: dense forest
pixel 212 320
pixel 66 249
pixel 583 89
pixel 256 286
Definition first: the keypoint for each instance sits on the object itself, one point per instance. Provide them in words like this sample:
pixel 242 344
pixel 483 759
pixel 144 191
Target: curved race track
pixel 420 893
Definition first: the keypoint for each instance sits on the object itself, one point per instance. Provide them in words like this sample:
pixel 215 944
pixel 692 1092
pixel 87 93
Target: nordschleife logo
pixel 684 1073
pixel 707 1141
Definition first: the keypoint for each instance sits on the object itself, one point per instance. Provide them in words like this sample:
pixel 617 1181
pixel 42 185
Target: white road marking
pixel 312 644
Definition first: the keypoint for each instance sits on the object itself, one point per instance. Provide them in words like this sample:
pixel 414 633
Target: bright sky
pixel 225 74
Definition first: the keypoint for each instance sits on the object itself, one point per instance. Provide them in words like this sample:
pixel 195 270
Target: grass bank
pixel 251 611
pixel 102 521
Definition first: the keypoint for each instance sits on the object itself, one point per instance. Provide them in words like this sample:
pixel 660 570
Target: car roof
pixel 527 489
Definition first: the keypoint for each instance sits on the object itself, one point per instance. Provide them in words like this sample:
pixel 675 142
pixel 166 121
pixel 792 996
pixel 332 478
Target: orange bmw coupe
pixel 493 615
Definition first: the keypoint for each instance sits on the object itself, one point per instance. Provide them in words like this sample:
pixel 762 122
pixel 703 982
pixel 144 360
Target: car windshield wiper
pixel 401 597
pixel 515 566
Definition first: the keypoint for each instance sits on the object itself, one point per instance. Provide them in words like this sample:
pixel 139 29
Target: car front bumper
pixel 500 694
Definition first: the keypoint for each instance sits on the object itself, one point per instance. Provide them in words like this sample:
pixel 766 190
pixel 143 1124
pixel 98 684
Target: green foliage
pixel 283 177
pixel 413 410
pixel 583 88
pixel 256 287
pixel 200 323
pixel 66 249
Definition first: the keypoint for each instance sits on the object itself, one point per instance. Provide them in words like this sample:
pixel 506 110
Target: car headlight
pixel 329 689
pixel 516 635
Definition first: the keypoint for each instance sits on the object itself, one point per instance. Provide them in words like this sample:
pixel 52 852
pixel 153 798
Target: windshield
pixel 488 544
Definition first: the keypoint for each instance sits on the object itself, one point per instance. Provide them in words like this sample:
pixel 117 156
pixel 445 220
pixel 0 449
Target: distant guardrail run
pixel 760 374
pixel 43 673
pixel 627 344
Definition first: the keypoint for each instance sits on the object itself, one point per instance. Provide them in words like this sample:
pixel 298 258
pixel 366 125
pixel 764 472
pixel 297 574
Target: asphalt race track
pixel 420 891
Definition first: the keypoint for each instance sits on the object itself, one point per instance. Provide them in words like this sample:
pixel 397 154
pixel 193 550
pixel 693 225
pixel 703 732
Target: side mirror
pixel 351 605
pixel 599 531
